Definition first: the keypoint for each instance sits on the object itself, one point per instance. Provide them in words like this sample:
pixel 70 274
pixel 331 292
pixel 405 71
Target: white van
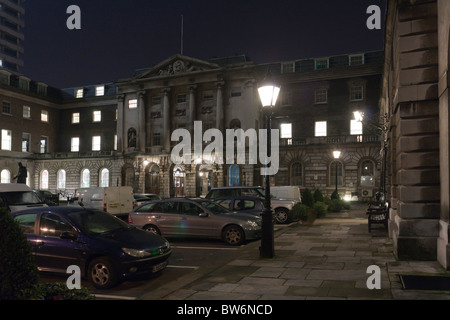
pixel 286 192
pixel 115 200
pixel 18 196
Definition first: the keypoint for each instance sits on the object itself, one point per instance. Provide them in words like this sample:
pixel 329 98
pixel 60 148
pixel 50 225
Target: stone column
pixel 219 110
pixel 192 109
pixel 166 118
pixel 141 135
pixel 120 123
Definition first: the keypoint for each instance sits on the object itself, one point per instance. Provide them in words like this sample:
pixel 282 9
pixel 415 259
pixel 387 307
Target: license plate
pixel 159 266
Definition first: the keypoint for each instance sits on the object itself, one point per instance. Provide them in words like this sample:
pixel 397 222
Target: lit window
pixel 96 143
pixel 321 96
pixel 356 93
pixel 44 180
pixel 115 142
pixel 97 116
pixel 356 127
pixel 44 116
pixel 104 178
pixel 100 91
pixel 85 178
pixel 367 174
pixel 43 145
pixel 75 144
pixel 61 183
pixel 132 104
pixel 321 129
pixel 27 112
pixel 76 117
pixel 79 93
pixel 26 137
pixel 5 176
pixel 321 64
pixel 286 130
pixel 6 140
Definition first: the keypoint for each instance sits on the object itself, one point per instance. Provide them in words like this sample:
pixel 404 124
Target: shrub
pixel 18 271
pixel 59 291
pixel 318 197
pixel 335 195
pixel 304 212
pixel 335 205
pixel 308 199
pixel 320 209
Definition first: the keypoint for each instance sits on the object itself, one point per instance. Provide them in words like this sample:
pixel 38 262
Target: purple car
pixel 106 249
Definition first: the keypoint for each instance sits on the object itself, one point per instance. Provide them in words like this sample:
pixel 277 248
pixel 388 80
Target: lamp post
pixel 336 155
pixel 268 93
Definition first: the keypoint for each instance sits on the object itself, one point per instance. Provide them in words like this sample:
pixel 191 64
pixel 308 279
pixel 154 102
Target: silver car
pixel 198 218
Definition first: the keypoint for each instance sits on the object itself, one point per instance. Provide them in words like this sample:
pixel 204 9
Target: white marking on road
pixel 183 267
pixel 203 248
pixel 107 296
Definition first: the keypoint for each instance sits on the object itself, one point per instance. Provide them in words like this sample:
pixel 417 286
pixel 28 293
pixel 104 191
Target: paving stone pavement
pixel 327 260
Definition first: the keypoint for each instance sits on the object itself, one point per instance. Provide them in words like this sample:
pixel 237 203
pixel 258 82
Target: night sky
pixel 119 36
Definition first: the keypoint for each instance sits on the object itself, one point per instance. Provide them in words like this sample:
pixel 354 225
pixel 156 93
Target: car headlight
pixel 253 224
pixel 136 253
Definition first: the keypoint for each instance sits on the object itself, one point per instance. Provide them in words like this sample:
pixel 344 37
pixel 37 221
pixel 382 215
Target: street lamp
pixel 336 155
pixel 268 93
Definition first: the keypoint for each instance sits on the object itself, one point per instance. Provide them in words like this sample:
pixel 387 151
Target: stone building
pixel 121 133
pixel 415 101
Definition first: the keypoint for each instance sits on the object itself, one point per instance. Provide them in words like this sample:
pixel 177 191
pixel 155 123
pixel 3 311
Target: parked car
pixel 195 218
pixel 47 197
pixel 115 200
pixel 106 249
pixel 140 198
pixel 282 207
pixel 286 192
pixel 242 204
pixel 18 196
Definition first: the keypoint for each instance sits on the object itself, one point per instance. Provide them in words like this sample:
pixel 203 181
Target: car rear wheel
pixel 282 215
pixel 233 235
pixel 101 273
pixel 152 228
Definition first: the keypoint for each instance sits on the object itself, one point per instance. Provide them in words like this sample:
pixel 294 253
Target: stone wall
pixel 413 107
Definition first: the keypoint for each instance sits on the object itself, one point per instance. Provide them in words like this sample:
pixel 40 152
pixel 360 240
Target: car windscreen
pixel 213 207
pixel 96 221
pixel 15 198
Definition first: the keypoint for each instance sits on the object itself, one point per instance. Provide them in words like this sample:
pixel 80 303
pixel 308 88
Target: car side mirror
pixel 203 214
pixel 68 236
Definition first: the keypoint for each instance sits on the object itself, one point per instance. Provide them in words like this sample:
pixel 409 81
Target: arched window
pixel 5 176
pixel 233 175
pixel 43 183
pixel 85 178
pixel 104 177
pixel 235 124
pixel 336 170
pixel 296 174
pixel 367 173
pixel 61 179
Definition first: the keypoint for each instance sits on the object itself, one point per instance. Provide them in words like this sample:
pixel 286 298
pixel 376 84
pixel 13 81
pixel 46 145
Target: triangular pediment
pixel 177 65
